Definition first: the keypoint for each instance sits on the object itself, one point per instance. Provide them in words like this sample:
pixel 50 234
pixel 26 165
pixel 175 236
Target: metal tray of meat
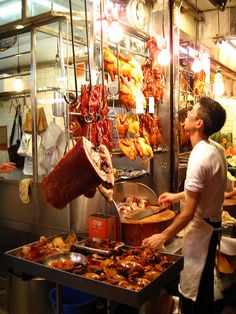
pixel 99 288
pixel 229 230
pixel 104 247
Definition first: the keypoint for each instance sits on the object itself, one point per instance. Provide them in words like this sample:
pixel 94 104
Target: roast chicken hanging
pixel 131 77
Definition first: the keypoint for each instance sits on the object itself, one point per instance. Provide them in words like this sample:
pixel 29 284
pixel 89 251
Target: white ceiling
pixel 209 28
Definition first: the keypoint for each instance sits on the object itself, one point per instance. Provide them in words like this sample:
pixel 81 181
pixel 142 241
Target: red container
pixel 102 226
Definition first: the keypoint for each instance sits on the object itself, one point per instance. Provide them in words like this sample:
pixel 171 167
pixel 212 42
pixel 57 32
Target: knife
pixel 146 212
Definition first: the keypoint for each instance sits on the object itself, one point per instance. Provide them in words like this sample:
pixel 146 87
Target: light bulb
pixel 102 23
pixel 163 57
pixel 115 32
pixel 18 84
pixel 218 87
pixel 196 66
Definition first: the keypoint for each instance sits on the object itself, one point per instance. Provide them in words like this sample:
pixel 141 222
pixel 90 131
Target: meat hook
pixel 87 38
pixel 73 54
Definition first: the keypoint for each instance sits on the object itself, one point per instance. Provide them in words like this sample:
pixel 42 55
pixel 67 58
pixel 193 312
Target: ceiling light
pixel 20 26
pixel 163 57
pixel 218 86
pixel 115 32
pixel 196 65
pixel 18 84
pixel 109 24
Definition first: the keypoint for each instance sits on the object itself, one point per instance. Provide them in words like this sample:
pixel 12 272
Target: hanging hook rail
pixel 73 53
pixel 87 38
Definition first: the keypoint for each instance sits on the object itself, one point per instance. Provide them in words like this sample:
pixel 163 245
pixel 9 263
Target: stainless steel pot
pixel 58 107
pixel 28 296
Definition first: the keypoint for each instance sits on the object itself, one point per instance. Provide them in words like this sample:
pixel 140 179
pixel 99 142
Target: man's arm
pixel 180 221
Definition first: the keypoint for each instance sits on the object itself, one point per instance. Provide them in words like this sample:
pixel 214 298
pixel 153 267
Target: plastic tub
pixel 75 301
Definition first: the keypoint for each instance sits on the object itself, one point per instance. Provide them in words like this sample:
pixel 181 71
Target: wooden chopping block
pixel 134 231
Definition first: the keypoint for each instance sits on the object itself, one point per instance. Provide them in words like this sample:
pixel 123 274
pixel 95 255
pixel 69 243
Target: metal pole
pixel 34 106
pixel 59 308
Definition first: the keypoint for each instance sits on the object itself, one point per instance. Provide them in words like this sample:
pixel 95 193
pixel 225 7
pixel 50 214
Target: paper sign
pixel 139 106
pixel 151 104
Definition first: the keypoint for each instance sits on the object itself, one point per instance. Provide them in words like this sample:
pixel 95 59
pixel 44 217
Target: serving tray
pixel 99 288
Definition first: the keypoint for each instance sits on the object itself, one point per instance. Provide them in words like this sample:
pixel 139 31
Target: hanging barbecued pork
pixel 80 171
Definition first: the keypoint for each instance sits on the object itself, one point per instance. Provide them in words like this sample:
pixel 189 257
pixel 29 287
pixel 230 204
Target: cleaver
pixel 150 210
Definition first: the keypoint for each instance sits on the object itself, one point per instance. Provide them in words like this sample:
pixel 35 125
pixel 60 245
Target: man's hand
pixel 155 241
pixel 180 221
pixel 7 167
pixel 168 198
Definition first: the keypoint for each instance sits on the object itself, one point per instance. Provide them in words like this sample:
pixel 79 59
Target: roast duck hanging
pixel 154 75
pixel 138 135
pixel 88 116
pixel 131 77
pixel 199 83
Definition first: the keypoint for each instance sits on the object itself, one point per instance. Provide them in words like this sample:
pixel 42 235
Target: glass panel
pixel 9 11
pixel 15 60
pixel 36 7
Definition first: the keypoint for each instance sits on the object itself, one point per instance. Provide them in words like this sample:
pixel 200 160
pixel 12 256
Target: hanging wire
pixel 57 57
pixel 197 24
pixel 218 23
pixel 73 53
pixel 163 19
pixel 18 54
pixel 87 38
pixel 101 7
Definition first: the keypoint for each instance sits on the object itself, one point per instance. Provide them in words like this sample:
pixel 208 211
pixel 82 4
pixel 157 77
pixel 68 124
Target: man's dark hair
pixel 212 114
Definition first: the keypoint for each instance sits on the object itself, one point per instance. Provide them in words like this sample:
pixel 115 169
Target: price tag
pixel 151 104
pixel 139 106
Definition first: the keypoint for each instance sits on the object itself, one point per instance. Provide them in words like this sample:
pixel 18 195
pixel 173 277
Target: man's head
pixel 211 113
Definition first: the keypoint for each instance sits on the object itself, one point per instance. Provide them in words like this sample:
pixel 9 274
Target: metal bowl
pixel 77 258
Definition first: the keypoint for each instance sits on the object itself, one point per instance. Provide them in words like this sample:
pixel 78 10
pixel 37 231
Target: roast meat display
pixel 130 268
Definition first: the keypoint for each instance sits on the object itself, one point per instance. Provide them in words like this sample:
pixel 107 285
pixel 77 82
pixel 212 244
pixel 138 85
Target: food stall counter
pixel 123 295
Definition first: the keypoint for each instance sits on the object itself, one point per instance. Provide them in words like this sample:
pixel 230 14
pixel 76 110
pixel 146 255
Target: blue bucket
pixel 75 301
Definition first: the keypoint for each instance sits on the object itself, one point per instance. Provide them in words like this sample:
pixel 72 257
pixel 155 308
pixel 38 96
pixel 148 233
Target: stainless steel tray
pixel 99 288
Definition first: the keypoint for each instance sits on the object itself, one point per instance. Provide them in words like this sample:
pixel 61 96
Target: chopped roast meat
pixel 106 187
pixel 79 172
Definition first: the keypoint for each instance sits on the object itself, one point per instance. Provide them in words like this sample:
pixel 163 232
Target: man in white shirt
pixel 204 195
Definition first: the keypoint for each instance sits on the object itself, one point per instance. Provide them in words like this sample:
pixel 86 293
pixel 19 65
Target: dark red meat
pixel 77 173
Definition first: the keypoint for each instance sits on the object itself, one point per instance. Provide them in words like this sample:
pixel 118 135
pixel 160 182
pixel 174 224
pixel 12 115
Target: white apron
pixel 195 250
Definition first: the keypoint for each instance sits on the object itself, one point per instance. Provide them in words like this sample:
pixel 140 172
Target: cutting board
pixel 157 218
pixel 146 212
pixel 230 201
pixel 230 205
pixel 134 231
